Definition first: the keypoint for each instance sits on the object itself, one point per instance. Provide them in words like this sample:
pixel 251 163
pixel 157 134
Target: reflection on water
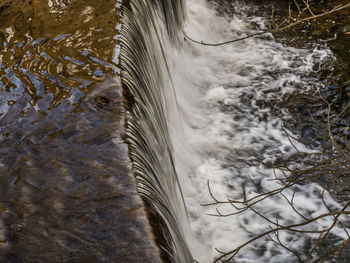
pixel 66 191
pixel 45 51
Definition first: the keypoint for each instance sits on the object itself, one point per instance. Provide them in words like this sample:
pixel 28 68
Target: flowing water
pixel 146 76
pixel 213 115
pixel 188 116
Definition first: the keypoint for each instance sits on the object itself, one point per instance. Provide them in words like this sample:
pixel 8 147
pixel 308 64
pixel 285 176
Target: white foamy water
pixel 230 123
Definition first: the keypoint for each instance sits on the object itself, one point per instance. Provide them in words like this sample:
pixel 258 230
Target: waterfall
pixel 146 77
pixel 201 114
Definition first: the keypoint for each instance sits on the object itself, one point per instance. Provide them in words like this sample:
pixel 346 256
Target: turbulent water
pixel 230 99
pixel 213 115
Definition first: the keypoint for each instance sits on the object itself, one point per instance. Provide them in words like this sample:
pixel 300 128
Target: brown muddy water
pixel 66 190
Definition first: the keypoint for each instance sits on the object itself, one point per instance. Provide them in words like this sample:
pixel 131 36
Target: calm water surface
pixel 66 191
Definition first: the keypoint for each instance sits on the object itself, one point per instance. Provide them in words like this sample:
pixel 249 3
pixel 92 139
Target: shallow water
pixel 67 193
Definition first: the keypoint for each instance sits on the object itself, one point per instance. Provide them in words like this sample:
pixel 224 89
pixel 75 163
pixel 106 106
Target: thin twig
pixel 277 30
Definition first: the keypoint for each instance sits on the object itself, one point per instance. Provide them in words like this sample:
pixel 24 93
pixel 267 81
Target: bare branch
pixel 276 30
